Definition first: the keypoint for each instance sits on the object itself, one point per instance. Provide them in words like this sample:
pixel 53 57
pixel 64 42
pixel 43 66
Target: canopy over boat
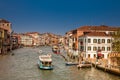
pixel 45 58
pixel 55 47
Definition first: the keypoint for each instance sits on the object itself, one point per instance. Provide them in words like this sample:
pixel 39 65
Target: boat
pixel 45 62
pixel 71 63
pixel 56 49
pixel 84 64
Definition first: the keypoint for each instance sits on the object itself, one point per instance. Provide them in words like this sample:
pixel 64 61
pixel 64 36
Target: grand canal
pixel 23 66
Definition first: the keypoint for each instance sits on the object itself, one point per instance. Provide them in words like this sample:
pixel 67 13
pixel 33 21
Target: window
pixel 94 48
pixel 88 55
pixel 102 55
pixel 81 41
pixel 89 40
pixel 99 41
pixel 103 40
pixel 108 48
pixel 89 48
pixel 81 48
pixel 94 40
pixel 94 55
pixel 74 39
pixel 98 48
pixel 0 34
pixel 7 24
pixel 3 24
pixel 103 48
pixel 108 40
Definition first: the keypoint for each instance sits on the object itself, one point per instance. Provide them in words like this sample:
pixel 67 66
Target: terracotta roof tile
pixel 96 34
pixel 102 27
pixel 4 21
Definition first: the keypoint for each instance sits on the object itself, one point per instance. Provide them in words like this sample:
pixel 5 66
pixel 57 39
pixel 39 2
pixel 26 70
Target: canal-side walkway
pixel 108 69
pixel 102 65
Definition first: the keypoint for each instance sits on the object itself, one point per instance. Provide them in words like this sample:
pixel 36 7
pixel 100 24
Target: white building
pixel 26 40
pixel 93 44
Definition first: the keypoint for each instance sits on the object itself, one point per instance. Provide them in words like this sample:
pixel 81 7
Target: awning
pixel 100 54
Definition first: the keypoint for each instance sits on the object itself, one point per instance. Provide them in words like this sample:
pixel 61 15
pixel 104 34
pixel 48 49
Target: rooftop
pixel 4 21
pixel 101 27
pixel 96 34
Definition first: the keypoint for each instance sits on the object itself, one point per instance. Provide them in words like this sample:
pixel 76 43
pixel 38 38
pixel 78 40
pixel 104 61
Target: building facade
pixel 26 40
pixel 95 44
pixel 86 29
pixel 5 31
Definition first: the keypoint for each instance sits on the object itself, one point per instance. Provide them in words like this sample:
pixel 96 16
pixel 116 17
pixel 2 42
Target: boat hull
pixel 40 65
pixel 84 65
pixel 71 63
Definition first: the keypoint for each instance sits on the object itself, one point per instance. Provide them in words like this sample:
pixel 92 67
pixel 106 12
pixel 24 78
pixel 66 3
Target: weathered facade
pixel 35 36
pixel 86 29
pixel 5 31
pixel 26 40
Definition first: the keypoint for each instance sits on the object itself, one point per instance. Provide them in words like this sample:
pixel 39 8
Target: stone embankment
pixel 102 65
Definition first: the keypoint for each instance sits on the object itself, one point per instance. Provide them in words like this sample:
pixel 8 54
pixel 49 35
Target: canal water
pixel 23 66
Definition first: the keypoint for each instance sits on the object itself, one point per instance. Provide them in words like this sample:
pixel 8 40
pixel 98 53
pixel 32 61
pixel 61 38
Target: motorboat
pixel 56 49
pixel 84 64
pixel 71 63
pixel 45 62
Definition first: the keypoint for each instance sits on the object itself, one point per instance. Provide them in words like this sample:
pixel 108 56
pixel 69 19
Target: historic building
pixel 5 31
pixel 95 44
pixel 36 38
pixel 74 34
pixel 26 40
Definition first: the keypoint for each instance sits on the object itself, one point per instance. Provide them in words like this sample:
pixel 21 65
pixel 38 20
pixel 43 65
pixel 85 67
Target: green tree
pixel 116 41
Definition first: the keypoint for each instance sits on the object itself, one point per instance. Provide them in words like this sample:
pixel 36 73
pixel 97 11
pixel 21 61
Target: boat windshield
pixel 46 63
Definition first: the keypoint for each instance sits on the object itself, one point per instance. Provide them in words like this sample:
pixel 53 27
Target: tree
pixel 116 41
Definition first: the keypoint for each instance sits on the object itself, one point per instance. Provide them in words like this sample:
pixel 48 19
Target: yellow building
pixel 5 30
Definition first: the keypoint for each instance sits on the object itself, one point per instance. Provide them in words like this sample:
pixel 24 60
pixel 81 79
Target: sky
pixel 59 16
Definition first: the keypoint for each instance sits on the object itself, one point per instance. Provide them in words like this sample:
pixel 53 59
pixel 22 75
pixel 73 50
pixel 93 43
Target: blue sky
pixel 59 16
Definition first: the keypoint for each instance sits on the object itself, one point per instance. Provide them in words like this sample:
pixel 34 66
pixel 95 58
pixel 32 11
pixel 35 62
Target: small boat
pixel 84 65
pixel 71 63
pixel 45 62
pixel 56 49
